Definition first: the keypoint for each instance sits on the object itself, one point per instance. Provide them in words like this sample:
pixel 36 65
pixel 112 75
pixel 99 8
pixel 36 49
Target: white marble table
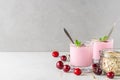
pixel 35 66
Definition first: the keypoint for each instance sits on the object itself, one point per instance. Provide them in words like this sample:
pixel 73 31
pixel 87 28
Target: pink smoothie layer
pixel 97 46
pixel 80 56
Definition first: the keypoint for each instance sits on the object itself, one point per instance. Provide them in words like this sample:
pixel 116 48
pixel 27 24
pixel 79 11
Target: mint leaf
pixel 78 43
pixel 104 38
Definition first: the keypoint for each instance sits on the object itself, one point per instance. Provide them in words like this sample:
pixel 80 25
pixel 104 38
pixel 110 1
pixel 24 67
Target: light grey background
pixel 37 25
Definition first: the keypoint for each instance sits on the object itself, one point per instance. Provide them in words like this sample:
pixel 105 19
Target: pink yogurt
pixel 80 56
pixel 98 45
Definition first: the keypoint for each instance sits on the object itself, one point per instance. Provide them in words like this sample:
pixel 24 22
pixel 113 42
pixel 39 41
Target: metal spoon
pixel 68 35
pixel 109 34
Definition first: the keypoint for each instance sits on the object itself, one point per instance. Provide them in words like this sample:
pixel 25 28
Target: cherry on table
pixel 59 65
pixel 95 65
pixel 55 53
pixel 66 68
pixel 97 71
pixel 63 58
pixel 110 75
pixel 77 71
pixel 96 68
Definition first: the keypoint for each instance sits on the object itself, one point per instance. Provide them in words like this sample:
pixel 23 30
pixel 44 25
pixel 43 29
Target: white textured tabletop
pixel 35 66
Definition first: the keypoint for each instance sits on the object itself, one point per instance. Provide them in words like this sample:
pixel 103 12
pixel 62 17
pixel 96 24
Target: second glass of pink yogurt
pixel 100 45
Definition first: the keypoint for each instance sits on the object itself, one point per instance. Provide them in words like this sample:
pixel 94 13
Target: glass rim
pixel 110 50
pixel 106 49
pixel 96 40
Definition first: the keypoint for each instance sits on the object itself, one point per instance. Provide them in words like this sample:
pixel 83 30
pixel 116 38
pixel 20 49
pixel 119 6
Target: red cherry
pixel 110 75
pixel 55 53
pixel 77 71
pixel 66 68
pixel 63 58
pixel 95 65
pixel 59 65
pixel 97 71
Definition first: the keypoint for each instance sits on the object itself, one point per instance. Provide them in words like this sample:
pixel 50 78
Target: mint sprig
pixel 78 43
pixel 104 38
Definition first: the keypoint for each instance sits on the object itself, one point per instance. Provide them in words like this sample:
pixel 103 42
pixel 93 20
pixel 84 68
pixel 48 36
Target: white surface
pixel 37 25
pixel 34 66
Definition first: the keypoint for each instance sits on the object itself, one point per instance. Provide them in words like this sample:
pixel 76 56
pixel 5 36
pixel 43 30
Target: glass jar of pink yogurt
pixel 98 46
pixel 81 56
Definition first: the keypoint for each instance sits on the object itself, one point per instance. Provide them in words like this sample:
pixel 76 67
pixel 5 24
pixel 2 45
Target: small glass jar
pixel 110 61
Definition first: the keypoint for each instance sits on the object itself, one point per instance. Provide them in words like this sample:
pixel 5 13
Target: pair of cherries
pixel 98 71
pixel 66 68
